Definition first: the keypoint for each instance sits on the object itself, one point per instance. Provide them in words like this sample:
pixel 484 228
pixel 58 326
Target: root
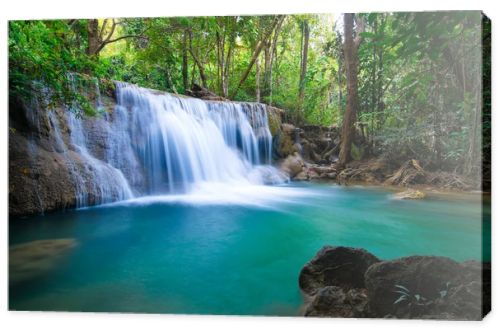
pixel 448 181
pixel 371 171
pixel 409 173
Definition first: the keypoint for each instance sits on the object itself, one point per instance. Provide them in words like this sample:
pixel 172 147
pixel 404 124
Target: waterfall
pixel 154 143
pixel 182 142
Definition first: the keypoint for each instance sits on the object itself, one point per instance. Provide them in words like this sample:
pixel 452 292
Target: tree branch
pixel 255 54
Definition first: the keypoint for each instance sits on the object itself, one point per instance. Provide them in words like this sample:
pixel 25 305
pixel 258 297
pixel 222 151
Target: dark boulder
pixel 435 288
pixel 333 301
pixel 344 267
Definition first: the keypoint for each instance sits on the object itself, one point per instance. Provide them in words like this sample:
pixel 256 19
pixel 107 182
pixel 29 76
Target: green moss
pixel 274 123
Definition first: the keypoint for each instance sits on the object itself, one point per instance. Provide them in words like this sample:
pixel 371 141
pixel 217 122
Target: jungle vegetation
pixel 410 84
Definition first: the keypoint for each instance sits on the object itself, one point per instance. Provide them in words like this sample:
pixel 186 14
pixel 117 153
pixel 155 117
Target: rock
pixel 288 128
pixel 285 145
pixel 450 289
pixel 312 174
pixel 292 165
pixel 274 116
pixel 268 175
pixel 410 194
pixel 344 267
pixel 39 181
pixel 33 259
pixel 332 175
pixel 315 171
pixel 302 176
pixel 49 170
pixel 333 301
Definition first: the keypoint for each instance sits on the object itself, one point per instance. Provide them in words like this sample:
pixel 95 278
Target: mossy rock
pixel 274 122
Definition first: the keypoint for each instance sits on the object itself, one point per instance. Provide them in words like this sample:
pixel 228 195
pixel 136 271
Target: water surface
pixel 232 251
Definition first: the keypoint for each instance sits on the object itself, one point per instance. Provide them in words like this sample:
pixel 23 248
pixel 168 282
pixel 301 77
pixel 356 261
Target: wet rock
pixel 332 175
pixel 333 301
pixel 312 174
pixel 39 180
pixel 286 141
pixel 302 176
pixel 420 287
pixel 327 172
pixel 274 116
pixel 34 259
pixel 292 165
pixel 436 286
pixel 344 267
pixel 410 194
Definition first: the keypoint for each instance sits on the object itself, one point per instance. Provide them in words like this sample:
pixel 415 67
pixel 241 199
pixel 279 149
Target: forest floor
pixel 409 180
pixel 311 153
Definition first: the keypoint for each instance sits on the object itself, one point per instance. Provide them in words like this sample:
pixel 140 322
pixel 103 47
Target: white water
pixel 181 142
pixel 159 144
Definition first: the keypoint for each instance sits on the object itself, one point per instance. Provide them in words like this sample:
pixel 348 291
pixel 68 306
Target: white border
pixel 51 322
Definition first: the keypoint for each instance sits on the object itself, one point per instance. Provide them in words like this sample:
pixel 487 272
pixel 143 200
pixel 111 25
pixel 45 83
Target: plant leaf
pixel 400 299
pixel 402 287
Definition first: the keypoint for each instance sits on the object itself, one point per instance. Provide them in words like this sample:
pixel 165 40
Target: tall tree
pixel 270 53
pixel 101 35
pixel 185 78
pixel 197 61
pixel 257 80
pixel 258 48
pixel 351 46
pixel 303 69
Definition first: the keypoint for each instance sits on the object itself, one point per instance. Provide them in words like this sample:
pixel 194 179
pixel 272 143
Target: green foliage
pixel 418 80
pixel 43 54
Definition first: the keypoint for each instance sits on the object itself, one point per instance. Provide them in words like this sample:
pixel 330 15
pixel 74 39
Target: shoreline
pixel 430 193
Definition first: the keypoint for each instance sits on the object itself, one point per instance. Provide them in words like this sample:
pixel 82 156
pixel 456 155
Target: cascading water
pixel 157 144
pixel 182 142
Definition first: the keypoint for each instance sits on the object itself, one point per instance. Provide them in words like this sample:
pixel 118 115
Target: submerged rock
pixel 410 194
pixel 344 267
pixel 33 259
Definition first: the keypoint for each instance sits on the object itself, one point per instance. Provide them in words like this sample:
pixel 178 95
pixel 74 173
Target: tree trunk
pixel 94 37
pixel 269 79
pixel 225 87
pixel 303 70
pixel 169 80
pixel 203 76
pixel 257 80
pixel 351 67
pixel 185 78
pixel 255 54
pixel 98 38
